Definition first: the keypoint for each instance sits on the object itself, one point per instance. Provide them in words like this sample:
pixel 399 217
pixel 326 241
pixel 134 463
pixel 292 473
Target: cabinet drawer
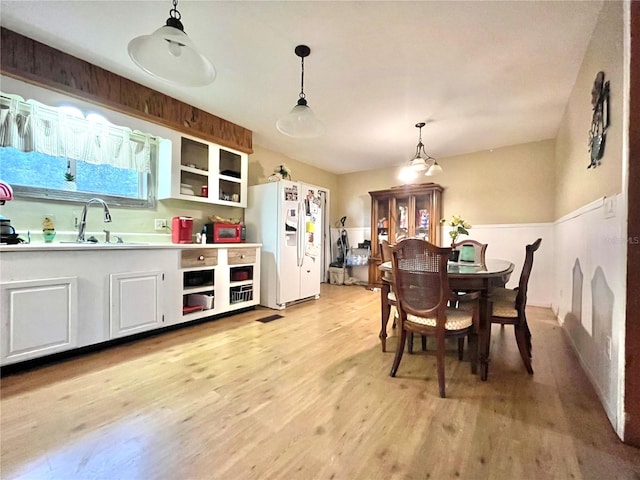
pixel 201 257
pixel 238 256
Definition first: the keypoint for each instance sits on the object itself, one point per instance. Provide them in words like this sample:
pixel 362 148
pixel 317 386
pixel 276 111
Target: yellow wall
pixel 575 184
pixel 506 185
pixel 263 162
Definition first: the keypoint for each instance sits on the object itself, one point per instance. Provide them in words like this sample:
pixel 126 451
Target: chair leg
pixel 393 313
pixel 473 352
pixel 522 346
pixel 410 344
pixel 402 337
pixel 460 348
pixel 528 336
pixel 423 339
pixel 440 364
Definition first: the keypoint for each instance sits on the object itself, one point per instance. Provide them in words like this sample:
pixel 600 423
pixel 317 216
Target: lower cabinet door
pixel 39 317
pixel 135 302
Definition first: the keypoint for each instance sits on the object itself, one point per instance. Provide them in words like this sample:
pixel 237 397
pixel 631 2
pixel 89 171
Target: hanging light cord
pixel 174 17
pixel 302 95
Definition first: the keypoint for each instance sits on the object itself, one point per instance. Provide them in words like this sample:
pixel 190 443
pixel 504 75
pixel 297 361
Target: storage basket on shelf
pixel 243 293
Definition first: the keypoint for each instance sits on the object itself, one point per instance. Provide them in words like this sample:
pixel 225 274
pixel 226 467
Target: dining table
pixel 467 277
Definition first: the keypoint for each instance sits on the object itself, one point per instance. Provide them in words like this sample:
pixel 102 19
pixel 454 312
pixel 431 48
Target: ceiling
pixel 481 74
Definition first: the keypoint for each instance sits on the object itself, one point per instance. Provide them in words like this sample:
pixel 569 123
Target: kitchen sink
pixel 107 244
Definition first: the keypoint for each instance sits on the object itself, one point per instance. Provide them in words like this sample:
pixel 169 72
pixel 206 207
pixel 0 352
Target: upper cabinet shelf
pixel 202 171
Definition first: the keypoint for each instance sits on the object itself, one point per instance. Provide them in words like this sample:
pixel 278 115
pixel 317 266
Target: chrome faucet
pixel 83 217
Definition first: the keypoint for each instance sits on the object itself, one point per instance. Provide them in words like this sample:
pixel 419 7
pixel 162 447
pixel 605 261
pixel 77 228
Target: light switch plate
pixel 610 207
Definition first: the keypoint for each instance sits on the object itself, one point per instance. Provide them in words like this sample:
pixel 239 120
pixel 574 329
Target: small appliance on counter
pixel 218 232
pixel 8 234
pixel 182 230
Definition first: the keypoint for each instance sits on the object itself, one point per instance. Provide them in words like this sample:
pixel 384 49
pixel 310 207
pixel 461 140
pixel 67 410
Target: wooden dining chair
pixel 509 307
pixel 385 252
pixel 480 249
pixel 421 285
pixel 460 298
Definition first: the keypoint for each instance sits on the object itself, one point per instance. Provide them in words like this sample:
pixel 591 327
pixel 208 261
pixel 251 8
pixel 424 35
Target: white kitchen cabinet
pixel 202 171
pixel 64 296
pixel 243 277
pixel 39 317
pixel 198 294
pixel 220 280
pixel 135 302
pixel 116 285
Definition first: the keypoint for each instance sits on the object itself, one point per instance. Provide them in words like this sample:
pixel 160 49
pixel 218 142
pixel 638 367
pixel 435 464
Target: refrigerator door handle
pixel 301 235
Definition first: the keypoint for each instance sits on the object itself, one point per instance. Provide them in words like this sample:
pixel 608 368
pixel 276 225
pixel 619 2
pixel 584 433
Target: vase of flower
pixel 458 227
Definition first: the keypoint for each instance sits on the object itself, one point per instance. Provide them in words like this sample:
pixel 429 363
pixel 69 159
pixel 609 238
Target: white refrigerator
pixel 285 217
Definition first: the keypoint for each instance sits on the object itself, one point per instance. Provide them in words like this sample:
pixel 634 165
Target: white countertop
pixel 57 246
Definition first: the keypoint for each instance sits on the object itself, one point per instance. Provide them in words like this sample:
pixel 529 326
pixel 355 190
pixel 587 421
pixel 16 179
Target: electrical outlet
pixel 608 347
pixel 75 218
pixel 160 223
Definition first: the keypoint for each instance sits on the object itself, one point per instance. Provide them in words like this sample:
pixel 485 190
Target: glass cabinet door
pixel 402 223
pixel 423 216
pixel 383 220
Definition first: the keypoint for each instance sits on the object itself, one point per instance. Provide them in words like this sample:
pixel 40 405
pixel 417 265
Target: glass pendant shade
pixel 434 169
pixel 418 164
pixel 169 54
pixel 300 122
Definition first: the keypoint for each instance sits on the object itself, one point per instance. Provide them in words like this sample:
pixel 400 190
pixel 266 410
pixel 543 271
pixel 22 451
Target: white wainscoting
pixel 590 300
pixel 508 241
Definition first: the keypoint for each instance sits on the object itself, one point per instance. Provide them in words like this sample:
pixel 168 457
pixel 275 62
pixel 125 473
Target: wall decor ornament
pixel 599 120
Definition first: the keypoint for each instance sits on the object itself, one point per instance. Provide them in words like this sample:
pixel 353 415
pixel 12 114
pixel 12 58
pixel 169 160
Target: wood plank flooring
pixel 307 396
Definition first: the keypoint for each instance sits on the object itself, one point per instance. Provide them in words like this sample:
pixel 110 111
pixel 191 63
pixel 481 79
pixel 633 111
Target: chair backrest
pixel 385 250
pixel 420 277
pixel 521 298
pixel 480 248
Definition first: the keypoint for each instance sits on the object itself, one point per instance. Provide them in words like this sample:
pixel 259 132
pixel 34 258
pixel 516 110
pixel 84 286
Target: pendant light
pixel 169 54
pixel 421 161
pixel 301 122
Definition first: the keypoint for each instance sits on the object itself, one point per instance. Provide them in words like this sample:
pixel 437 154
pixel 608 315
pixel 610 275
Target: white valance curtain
pixel 31 126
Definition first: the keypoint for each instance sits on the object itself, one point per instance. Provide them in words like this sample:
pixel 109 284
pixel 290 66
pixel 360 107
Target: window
pixel 57 153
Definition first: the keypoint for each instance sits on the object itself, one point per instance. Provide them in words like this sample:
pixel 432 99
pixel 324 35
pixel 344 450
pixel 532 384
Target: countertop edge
pixel 30 247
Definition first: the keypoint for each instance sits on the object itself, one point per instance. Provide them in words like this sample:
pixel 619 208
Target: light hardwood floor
pixel 308 396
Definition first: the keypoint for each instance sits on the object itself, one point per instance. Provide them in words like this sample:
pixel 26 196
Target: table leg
pixel 385 310
pixel 484 334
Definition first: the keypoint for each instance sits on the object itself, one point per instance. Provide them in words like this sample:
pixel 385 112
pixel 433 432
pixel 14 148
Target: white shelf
pixel 214 167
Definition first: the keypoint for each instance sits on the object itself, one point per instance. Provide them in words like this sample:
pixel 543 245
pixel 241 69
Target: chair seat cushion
pixel 456 319
pixel 504 303
pixel 502 292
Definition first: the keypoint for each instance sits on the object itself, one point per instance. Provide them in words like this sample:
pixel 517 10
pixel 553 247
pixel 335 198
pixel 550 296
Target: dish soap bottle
pixel 48 230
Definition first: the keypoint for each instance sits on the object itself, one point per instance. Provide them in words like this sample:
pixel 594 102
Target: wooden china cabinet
pixel 401 212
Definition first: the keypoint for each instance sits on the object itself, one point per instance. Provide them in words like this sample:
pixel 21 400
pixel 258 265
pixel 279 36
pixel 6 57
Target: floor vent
pixel 270 318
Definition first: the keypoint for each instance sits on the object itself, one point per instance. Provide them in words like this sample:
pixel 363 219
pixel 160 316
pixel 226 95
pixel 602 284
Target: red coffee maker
pixel 182 230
